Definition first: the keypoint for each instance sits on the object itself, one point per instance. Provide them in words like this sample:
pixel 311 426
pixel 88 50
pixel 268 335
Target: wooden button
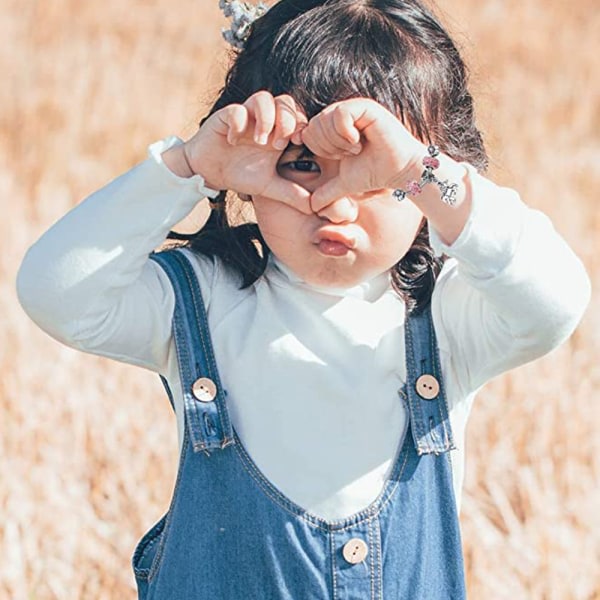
pixel 204 389
pixel 428 387
pixel 355 551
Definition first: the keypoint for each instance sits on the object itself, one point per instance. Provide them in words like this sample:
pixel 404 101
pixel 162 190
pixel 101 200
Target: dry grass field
pixel 88 447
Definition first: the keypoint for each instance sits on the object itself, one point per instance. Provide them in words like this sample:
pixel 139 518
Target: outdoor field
pixel 88 447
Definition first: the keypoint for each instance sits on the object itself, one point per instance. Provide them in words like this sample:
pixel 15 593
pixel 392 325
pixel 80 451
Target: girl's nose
pixel 343 210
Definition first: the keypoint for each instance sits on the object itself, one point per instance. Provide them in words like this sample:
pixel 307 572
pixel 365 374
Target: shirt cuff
pixel 155 151
pixel 491 234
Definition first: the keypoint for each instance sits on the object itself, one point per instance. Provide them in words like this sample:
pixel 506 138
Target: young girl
pixel 322 362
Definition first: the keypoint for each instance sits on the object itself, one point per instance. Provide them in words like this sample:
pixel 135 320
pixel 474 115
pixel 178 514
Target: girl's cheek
pixel 392 221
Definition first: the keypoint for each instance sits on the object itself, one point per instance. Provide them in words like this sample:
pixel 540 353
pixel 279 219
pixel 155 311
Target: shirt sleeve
pixel 88 281
pixel 512 291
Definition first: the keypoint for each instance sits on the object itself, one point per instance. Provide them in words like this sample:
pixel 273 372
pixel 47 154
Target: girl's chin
pixel 334 268
pixel 337 275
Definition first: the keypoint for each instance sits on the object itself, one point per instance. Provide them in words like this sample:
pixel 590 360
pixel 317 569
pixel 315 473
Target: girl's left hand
pixel 374 148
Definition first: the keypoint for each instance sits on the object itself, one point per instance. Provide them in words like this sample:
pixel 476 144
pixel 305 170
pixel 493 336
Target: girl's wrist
pixel 411 170
pixel 177 161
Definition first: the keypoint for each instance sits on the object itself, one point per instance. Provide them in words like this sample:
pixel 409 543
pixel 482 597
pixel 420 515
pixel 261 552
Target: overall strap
pixel 206 415
pixel 430 424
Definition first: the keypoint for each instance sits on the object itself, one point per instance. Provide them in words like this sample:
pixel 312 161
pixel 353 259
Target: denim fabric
pixel 229 534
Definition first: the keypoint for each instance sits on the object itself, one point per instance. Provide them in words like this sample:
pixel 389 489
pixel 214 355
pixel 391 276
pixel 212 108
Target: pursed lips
pixel 335 235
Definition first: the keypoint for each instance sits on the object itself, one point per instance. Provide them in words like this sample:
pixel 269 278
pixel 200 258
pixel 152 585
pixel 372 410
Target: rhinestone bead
pixel 413 188
pixel 431 162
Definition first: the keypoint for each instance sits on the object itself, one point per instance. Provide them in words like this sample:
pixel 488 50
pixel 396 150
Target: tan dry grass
pixel 88 448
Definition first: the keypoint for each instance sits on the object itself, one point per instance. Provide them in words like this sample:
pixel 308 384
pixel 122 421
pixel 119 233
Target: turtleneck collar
pixel 370 290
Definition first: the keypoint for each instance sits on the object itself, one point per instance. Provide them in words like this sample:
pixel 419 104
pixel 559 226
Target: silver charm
pixel 449 191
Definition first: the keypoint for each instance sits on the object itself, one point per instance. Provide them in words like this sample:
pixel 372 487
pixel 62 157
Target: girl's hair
pixel 392 51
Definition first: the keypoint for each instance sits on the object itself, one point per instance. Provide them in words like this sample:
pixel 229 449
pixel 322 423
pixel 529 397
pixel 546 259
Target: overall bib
pixel 229 534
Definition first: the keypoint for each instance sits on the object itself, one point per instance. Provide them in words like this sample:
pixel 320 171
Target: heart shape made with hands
pixel 240 146
pixel 372 145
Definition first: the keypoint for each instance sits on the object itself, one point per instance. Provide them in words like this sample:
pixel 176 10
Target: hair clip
pixel 242 15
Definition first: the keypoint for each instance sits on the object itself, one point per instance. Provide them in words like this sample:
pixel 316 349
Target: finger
pixel 289 193
pixel 286 119
pixel 332 138
pixel 329 192
pixel 365 112
pixel 324 137
pixel 235 118
pixel 338 129
pixel 301 124
pixel 261 106
pixel 343 123
pixel 314 138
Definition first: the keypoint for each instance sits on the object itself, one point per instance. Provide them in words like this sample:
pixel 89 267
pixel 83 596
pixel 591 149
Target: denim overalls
pixel 229 534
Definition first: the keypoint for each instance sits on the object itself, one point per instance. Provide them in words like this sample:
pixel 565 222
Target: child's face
pixel 350 241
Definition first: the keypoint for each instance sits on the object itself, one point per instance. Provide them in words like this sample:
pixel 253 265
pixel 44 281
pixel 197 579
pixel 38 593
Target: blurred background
pixel 88 448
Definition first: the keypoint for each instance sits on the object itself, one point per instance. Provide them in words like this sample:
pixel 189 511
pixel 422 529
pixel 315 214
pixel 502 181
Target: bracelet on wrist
pixel 414 188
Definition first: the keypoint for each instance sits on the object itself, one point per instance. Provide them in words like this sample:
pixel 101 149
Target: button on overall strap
pixel 424 389
pixel 206 415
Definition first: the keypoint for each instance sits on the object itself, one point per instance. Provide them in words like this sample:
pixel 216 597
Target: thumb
pixel 329 192
pixel 289 193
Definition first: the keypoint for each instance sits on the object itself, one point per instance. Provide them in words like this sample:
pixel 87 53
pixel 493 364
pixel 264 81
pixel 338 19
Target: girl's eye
pixel 304 166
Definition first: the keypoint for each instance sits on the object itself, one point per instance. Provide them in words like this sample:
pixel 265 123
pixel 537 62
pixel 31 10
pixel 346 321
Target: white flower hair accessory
pixel 242 15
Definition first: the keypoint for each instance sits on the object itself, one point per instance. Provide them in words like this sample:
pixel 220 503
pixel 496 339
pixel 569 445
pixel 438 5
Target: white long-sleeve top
pixel 312 374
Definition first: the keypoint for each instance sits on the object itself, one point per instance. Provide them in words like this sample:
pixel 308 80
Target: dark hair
pixel 392 51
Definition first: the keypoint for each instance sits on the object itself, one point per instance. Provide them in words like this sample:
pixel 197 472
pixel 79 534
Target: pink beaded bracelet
pixel 414 188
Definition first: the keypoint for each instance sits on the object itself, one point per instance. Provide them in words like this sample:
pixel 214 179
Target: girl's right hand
pixel 238 148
